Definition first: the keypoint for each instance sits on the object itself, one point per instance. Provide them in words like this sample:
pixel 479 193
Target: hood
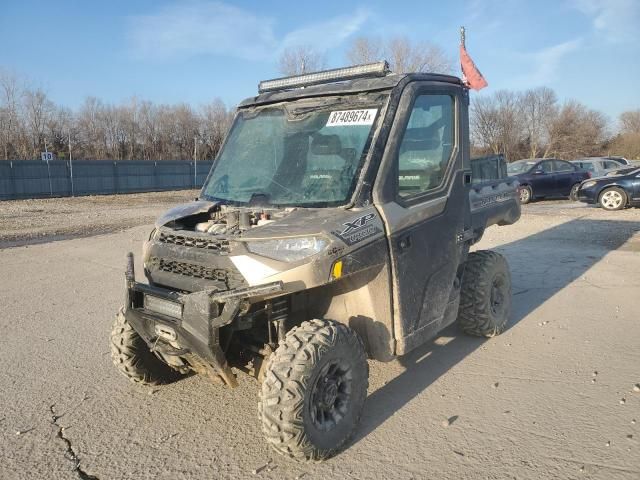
pixel 185 210
pixel 350 226
pixel 301 221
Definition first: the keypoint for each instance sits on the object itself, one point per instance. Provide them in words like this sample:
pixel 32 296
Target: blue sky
pixel 195 50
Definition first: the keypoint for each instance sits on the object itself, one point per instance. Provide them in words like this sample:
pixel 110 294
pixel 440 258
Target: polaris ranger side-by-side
pixel 334 226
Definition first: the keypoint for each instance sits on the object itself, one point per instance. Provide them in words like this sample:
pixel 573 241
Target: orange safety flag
pixel 471 76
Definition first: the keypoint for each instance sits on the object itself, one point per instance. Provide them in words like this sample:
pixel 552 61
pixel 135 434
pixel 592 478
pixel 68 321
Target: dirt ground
pixel 556 396
pixel 24 222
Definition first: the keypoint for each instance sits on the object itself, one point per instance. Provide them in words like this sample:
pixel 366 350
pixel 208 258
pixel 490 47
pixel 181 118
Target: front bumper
pixel 588 195
pixel 191 326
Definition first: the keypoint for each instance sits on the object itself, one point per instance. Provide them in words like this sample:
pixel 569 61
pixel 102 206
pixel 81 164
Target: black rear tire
pixel 526 194
pixel 485 294
pixel 132 357
pixel 314 390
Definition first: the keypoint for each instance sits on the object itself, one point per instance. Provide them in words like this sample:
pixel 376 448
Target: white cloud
pixel 196 28
pixel 199 27
pixel 328 34
pixel 544 63
pixel 616 20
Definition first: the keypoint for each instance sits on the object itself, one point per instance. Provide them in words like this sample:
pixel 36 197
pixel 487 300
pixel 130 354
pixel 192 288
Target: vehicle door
pixel 422 193
pixel 543 179
pixel 565 177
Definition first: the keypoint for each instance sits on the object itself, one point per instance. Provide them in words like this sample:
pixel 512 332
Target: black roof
pixel 352 86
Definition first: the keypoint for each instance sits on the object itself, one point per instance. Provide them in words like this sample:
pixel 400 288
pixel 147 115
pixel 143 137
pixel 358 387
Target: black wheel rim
pixel 498 296
pixel 330 395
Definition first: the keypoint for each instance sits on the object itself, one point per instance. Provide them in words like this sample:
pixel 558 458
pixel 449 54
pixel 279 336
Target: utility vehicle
pixel 334 226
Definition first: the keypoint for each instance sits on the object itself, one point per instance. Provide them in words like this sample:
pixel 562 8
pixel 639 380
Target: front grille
pixel 212 244
pixel 190 269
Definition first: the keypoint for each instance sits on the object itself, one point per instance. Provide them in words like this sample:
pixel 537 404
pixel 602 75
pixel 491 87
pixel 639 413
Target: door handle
pixel 404 243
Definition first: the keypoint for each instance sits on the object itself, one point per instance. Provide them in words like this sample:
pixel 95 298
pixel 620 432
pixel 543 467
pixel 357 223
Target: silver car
pixel 598 166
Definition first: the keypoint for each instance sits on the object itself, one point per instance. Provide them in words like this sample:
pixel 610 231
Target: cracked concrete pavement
pixel 553 397
pixel 70 454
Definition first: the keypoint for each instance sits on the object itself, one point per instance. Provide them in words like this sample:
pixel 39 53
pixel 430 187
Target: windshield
pixel 294 155
pixel 520 166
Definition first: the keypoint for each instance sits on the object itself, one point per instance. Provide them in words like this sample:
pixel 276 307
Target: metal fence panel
pixel 136 176
pixel 59 178
pixel 31 179
pixel 6 180
pixel 175 176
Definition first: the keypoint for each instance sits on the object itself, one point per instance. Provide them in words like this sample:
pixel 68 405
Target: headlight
pixel 165 307
pixel 588 184
pixel 288 249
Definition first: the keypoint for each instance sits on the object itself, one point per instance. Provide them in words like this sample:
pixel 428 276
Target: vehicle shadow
pixel 541 265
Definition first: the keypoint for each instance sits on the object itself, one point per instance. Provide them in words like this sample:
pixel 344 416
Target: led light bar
pixel 165 307
pixel 378 69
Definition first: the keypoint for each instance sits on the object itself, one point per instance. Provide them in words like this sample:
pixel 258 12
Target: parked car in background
pixel 549 177
pixel 598 166
pixel 621 160
pixel 615 191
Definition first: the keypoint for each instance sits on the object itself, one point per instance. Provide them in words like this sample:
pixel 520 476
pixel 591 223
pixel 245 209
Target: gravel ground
pixel 24 222
pixel 553 397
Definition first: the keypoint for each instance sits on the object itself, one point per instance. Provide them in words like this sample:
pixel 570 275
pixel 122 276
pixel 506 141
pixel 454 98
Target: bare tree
pixel 300 59
pixel 9 110
pixel 59 127
pixel 518 124
pixel 90 123
pixel 485 124
pixel 577 131
pixel 539 110
pixel 148 128
pixel 497 123
pixel 131 130
pixel 630 122
pixel 403 55
pixel 365 50
pixel 627 142
pixel 129 114
pixel 37 109
pixel 216 120
pixel 627 145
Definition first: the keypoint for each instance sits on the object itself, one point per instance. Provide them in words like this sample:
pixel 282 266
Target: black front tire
pixel 485 294
pixel 573 194
pixel 314 390
pixel 613 198
pixel 132 357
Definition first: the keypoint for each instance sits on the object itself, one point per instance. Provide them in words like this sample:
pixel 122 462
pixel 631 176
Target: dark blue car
pixel 615 191
pixel 548 177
